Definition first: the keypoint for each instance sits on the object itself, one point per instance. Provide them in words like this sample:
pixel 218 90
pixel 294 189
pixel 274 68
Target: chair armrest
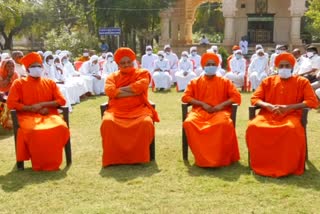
pixel 184 107
pixel 65 113
pixel 152 104
pixel 252 111
pixel 103 108
pixel 234 109
pixel 304 117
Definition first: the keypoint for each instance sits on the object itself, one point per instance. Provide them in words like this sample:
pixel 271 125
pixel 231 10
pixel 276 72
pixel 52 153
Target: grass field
pixel 168 185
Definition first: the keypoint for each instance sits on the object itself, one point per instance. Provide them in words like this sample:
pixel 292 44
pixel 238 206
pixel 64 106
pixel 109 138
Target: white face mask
pixel 160 58
pixel 64 61
pixel 35 72
pixel 85 54
pixel 193 53
pixel 168 52
pixel 310 54
pixel 184 58
pixel 285 73
pixel 50 62
pixel 149 52
pixel 110 59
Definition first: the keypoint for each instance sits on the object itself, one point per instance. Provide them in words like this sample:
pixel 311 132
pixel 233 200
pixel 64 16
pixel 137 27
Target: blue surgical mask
pixel 238 56
pixel 210 70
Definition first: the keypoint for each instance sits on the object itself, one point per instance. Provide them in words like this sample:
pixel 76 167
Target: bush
pixel 74 42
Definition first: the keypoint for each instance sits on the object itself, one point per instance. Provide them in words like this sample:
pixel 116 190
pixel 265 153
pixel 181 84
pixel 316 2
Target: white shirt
pixel 196 60
pixel 259 64
pixel 109 67
pixel 238 66
pixel 164 65
pixel 185 65
pixel 173 61
pixel 21 70
pixel 302 65
pixel 89 69
pixel 147 61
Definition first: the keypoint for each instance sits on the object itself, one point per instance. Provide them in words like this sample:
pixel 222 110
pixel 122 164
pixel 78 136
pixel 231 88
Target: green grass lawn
pixel 166 186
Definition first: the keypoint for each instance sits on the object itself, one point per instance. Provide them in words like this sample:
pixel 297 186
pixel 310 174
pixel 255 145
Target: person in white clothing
pixel 303 64
pixel 313 74
pixel 19 67
pixel 91 70
pixel 258 47
pixel 243 44
pixel 237 69
pixel 173 61
pixel 196 59
pixel 185 72
pixel 161 77
pixel 148 59
pixel 258 69
pixel 47 66
pixel 109 65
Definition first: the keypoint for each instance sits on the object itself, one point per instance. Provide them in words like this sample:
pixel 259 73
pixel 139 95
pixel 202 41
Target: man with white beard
pixel 196 58
pixel 258 69
pixel 173 61
pixel 161 77
pixel 91 70
pixel 237 69
pixel 185 72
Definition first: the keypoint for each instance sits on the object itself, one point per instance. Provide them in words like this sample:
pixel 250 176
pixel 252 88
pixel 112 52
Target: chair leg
pixel 67 150
pixel 184 145
pixel 152 150
pixel 20 165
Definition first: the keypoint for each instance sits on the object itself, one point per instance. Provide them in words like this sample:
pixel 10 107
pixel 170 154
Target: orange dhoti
pixel 277 146
pixel 126 140
pixel 212 138
pixel 42 138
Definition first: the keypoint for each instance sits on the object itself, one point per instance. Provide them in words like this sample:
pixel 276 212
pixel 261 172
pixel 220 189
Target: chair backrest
pixel 77 65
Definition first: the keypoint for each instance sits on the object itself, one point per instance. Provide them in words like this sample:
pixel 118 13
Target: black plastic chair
pixel 67 147
pixel 304 121
pixel 104 107
pixel 185 106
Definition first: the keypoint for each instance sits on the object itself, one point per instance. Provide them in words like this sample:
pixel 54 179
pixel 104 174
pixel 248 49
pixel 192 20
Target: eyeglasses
pixel 211 64
pixel 284 66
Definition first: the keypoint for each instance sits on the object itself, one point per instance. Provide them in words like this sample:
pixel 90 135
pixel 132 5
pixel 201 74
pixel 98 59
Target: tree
pixel 139 20
pixel 15 16
pixel 313 19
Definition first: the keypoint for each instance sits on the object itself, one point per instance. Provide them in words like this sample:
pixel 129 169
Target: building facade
pixel 262 21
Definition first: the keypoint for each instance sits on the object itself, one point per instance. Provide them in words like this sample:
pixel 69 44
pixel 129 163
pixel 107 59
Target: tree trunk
pixel 8 40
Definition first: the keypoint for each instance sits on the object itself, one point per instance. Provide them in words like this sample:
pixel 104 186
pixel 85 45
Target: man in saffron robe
pixel 42 133
pixel 127 128
pixel 275 137
pixel 208 126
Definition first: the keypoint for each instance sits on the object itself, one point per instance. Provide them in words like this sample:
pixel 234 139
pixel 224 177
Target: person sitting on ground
pixel 275 137
pixel 129 112
pixel 161 76
pixel 238 69
pixel 210 131
pixel 185 72
pixel 42 133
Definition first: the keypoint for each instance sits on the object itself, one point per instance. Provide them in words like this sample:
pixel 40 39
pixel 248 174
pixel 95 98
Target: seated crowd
pixel 275 137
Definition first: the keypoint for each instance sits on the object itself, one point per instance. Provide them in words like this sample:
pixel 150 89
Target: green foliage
pixel 313 19
pixel 209 19
pixel 74 42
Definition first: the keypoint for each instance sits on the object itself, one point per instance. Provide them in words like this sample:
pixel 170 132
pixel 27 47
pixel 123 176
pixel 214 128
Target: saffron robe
pixel 40 137
pixel 277 142
pixel 127 128
pixel 211 136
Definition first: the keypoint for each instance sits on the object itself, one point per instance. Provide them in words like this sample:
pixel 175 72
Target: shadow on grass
pixel 5 133
pixel 309 180
pixel 16 179
pixel 125 173
pixel 229 173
